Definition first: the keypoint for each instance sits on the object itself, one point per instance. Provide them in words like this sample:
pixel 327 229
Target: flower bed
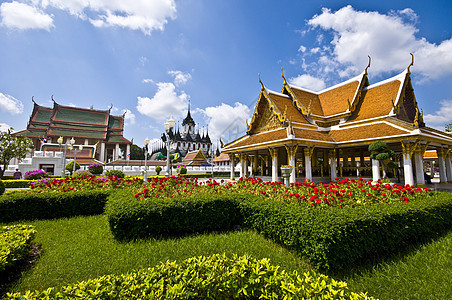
pixel 213 277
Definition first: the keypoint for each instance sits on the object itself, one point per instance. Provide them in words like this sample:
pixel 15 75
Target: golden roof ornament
pixel 368 65
pixel 412 63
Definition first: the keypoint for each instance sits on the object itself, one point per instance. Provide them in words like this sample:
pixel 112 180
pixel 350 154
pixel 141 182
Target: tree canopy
pixel 12 146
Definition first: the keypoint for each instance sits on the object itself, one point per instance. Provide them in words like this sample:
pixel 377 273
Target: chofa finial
pixel 260 81
pixel 368 65
pixel 412 63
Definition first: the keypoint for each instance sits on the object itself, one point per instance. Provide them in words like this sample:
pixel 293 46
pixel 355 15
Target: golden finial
pixel 260 81
pixel 282 74
pixel 412 63
pixel 368 65
pixel 221 143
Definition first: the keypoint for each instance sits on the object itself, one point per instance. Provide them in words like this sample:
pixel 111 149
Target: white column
pixel 86 142
pixel 102 152
pixel 307 161
pixel 231 158
pixel 408 169
pixel 333 165
pixel 242 165
pixel 127 152
pixel 419 165
pixel 449 168
pixel 274 156
pixel 442 165
pixel 375 170
pixel 291 153
pixel 116 157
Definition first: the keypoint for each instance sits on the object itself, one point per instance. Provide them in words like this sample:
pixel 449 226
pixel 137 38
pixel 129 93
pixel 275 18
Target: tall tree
pixel 448 127
pixel 12 146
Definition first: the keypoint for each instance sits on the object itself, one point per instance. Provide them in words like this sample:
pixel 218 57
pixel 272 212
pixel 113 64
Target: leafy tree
pixel 70 166
pixel 158 169
pixel 449 127
pixel 381 152
pixel 12 147
pixel 136 152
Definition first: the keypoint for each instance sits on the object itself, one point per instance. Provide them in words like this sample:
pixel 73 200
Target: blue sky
pixel 152 57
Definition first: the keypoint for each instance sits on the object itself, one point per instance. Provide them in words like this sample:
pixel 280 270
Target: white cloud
pixel 180 77
pixel 165 103
pixel 4 127
pixel 21 16
pixel 308 82
pixel 302 49
pixel 147 80
pixel 144 15
pixel 10 104
pixel 387 38
pixel 441 117
pixel 129 117
pixel 227 122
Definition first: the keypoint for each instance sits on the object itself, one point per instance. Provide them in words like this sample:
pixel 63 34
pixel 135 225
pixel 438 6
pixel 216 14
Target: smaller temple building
pixel 98 132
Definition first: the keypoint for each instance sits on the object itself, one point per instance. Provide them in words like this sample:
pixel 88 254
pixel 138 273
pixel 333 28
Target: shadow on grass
pixel 369 263
pixel 11 275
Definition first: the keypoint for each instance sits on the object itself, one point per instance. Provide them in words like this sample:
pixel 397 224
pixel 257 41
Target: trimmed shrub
pixel 82 173
pixel 96 169
pixel 338 238
pixel 17 183
pixel 31 206
pixel 117 173
pixel 8 177
pixel 70 166
pixel 2 187
pixel 35 174
pixel 213 277
pixel 158 169
pixel 131 218
pixel 14 243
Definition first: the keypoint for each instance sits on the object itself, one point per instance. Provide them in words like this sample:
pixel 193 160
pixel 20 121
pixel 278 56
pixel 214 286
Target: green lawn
pixel 80 248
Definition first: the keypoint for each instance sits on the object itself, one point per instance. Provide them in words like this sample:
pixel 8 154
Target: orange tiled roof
pixel 283 102
pixel 221 157
pixel 335 101
pixel 312 135
pixel 307 98
pixel 376 101
pixel 370 131
pixel 260 138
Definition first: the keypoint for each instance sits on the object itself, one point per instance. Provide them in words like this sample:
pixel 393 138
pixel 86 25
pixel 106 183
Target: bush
pixel 17 183
pixel 8 177
pixel 213 277
pixel 14 243
pixel 182 170
pixel 96 169
pixel 2 187
pixel 131 218
pixel 339 238
pixel 158 169
pixel 82 173
pixel 31 206
pixel 35 174
pixel 117 173
pixel 70 166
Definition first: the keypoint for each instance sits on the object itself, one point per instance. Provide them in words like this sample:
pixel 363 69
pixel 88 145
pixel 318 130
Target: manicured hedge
pixel 213 277
pixel 130 218
pixel 17 183
pixel 14 243
pixel 2 187
pixel 30 206
pixel 338 238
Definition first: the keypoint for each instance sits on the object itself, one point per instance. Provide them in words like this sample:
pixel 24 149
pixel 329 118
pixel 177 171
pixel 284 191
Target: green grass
pixel 423 273
pixel 81 248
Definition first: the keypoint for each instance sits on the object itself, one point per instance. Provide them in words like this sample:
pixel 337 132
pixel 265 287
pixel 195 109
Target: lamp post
pixel 145 173
pixel 60 142
pixel 211 153
pixel 80 148
pixel 169 125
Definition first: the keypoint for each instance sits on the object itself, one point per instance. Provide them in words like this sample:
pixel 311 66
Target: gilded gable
pixel 264 118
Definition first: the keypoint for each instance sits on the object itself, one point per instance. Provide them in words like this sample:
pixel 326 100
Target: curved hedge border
pixel 130 218
pixel 31 206
pixel 213 277
pixel 14 243
pixel 16 183
pixel 331 238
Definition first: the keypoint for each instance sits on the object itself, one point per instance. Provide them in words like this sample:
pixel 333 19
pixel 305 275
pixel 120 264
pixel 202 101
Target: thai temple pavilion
pixel 328 133
pixel 99 132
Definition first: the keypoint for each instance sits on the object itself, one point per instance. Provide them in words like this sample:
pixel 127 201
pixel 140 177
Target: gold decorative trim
pixel 291 150
pixel 368 65
pixel 308 151
pixel 273 152
pixel 409 148
pixel 305 111
pixel 412 63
